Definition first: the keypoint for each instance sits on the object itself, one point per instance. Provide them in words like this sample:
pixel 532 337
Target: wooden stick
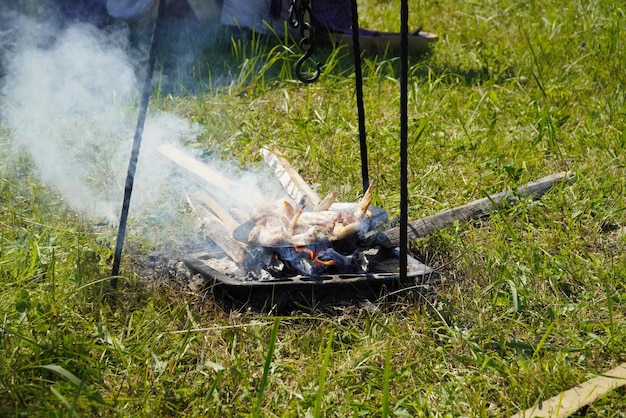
pixel 219 233
pixel 293 184
pixel 475 209
pixel 229 221
pixel 202 173
pixel 570 401
pixel 196 169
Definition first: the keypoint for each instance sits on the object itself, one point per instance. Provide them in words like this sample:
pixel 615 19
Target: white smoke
pixel 70 97
pixel 66 104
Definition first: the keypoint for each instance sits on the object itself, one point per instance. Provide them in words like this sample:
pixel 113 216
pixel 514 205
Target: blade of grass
pixel 543 339
pixel 387 375
pixel 71 377
pixel 266 367
pixel 317 412
pixel 61 398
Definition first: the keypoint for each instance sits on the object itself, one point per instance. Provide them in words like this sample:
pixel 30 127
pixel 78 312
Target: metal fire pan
pixel 234 290
pixel 387 271
pixel 378 217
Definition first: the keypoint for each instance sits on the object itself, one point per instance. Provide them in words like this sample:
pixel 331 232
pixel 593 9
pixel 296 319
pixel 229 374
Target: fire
pixel 313 255
pixel 283 223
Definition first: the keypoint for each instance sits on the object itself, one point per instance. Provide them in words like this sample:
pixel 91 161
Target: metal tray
pixel 386 271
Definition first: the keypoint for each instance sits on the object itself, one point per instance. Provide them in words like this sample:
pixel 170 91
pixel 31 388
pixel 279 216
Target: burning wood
pixel 310 240
pixel 315 241
pixel 283 224
pixel 311 260
pixel 219 230
pixel 292 183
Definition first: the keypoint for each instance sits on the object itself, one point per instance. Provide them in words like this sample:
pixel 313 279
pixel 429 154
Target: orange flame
pixel 313 255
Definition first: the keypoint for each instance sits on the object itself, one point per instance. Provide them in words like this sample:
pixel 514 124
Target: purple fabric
pixel 336 16
pixel 275 8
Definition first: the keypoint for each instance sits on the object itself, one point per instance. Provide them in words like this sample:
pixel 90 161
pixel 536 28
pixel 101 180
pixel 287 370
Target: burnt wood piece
pixel 291 181
pixel 226 218
pixel 219 234
pixel 217 231
pixel 473 210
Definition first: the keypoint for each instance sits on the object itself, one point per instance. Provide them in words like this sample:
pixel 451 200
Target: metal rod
pixel 134 156
pixel 404 59
pixel 359 95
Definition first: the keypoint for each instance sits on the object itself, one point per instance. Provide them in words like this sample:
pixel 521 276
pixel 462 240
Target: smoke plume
pixel 69 98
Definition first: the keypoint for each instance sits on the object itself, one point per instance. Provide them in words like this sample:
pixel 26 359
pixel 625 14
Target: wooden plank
pixel 385 42
pixel 229 221
pixel 194 168
pixel 474 210
pixel 291 181
pixel 203 174
pixel 570 401
pixel 220 233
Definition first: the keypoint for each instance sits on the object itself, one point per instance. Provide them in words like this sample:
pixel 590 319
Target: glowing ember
pixel 313 256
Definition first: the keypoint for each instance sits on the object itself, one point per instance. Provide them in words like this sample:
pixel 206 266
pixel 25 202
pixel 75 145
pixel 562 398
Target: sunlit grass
pixel 533 301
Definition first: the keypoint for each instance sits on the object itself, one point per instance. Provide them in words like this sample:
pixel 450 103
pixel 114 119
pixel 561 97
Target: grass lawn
pixel 534 296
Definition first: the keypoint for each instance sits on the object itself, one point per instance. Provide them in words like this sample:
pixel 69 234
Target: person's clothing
pixel 129 9
pixel 332 15
pixel 335 16
pixel 264 16
pixel 86 11
pixel 256 15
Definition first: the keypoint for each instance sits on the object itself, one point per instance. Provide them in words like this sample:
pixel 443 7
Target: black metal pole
pixel 359 94
pixel 134 156
pixel 404 70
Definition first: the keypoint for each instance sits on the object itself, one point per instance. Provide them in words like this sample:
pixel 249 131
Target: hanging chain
pixel 300 18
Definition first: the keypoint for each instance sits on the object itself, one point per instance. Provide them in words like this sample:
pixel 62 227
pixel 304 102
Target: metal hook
pixel 294 12
pixel 306 44
pixel 299 11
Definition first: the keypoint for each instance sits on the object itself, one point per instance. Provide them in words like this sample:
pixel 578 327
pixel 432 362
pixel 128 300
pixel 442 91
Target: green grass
pixel 534 297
